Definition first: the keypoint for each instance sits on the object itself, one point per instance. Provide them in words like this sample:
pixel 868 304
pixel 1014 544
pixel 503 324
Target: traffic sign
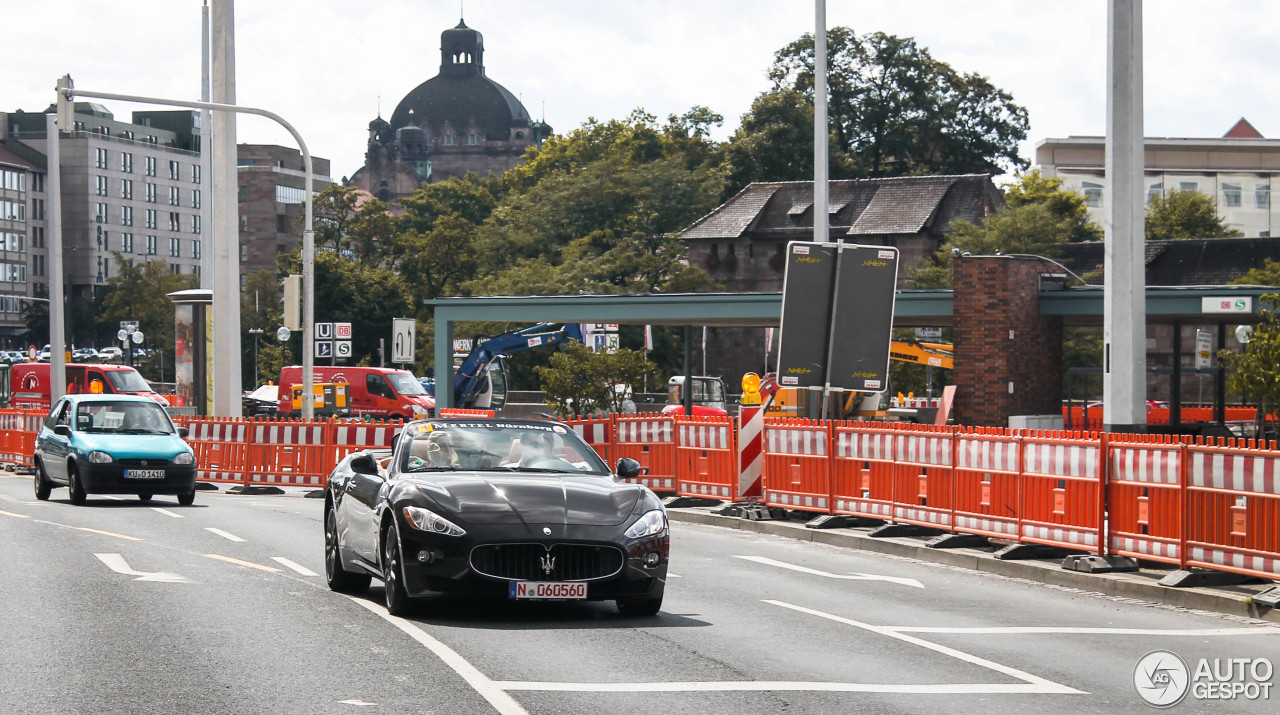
pixel 324 348
pixel 342 348
pixel 324 331
pixel 342 331
pixel 402 337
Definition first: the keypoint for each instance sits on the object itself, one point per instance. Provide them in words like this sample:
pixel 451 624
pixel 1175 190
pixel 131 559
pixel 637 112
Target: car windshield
pixel 123 417
pixel 127 381
pixel 405 384
pixel 496 446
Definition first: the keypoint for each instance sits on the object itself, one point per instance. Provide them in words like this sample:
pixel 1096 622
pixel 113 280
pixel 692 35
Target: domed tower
pixel 456 122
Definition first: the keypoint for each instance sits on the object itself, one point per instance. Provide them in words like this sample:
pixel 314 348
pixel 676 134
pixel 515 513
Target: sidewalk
pixel 1142 585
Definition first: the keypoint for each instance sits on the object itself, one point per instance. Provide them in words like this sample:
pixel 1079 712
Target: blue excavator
pixel 475 382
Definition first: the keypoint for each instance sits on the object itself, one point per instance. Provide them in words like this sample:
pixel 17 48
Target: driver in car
pixel 435 451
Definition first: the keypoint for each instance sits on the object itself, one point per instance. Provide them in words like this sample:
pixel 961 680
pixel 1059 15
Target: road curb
pixel 1143 586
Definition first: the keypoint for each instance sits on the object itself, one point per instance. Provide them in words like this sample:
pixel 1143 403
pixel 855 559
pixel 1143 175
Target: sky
pixel 328 67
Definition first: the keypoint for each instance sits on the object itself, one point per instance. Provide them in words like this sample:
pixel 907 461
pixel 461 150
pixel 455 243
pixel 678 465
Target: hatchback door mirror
pixel 628 468
pixel 64 430
pixel 183 432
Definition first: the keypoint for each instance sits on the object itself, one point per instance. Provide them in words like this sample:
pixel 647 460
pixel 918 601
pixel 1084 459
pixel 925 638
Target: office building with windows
pixel 23 257
pixel 1239 169
pixel 272 196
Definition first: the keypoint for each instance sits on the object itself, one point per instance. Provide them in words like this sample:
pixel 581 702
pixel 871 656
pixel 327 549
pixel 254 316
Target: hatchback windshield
pixel 127 381
pixel 405 384
pixel 497 446
pixel 123 418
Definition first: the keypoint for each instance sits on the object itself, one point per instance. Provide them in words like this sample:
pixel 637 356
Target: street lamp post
pixel 255 332
pixel 130 334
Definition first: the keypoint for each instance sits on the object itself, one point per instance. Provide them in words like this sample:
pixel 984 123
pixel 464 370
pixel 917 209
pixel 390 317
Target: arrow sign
pixel 852 576
pixel 116 563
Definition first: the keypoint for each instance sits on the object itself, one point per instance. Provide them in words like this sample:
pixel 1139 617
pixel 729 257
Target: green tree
pixel 1185 214
pixel 1267 275
pixel 578 381
pixel 1032 188
pixel 1256 371
pixel 895 110
pixel 139 292
pixel 349 222
pixel 261 309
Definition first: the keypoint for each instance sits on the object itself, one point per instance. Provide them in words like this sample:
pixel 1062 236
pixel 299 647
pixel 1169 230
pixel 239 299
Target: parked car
pixel 12 357
pixel 111 353
pixel 518 509
pixel 113 444
pixel 260 402
pixel 85 355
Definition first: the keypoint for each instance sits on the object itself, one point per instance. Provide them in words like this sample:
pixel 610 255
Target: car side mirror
pixel 628 468
pixel 64 430
pixel 183 432
pixel 364 464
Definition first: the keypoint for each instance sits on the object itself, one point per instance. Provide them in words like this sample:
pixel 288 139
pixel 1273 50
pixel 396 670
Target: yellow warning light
pixel 751 389
pixel 95 387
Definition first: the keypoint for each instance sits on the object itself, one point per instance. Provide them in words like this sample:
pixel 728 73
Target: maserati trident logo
pixel 548 563
pixel 546 530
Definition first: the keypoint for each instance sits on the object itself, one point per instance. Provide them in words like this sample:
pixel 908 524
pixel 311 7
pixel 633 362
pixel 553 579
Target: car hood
pixel 133 446
pixel 483 498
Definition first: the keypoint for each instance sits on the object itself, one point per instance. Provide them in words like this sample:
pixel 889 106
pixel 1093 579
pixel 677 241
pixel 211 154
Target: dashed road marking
pixel 166 512
pixel 1081 630
pixel 107 533
pixel 239 562
pixel 852 576
pixel 223 534
pixel 300 569
pixel 20 516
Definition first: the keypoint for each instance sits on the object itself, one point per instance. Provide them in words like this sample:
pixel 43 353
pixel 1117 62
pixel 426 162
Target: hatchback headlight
pixel 424 520
pixel 418 409
pixel 654 522
pixel 184 458
pixel 99 457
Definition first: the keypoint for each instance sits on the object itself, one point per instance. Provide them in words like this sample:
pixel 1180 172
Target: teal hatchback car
pixel 113 444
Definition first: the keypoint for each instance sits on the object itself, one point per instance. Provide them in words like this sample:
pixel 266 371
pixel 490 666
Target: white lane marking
pixel 357 702
pixel 784 685
pixel 852 576
pixel 300 569
pixel 223 534
pixel 112 497
pixel 487 689
pixel 1050 686
pixel 239 562
pixel 116 563
pixel 1020 630
pixel 166 512
pixel 673 575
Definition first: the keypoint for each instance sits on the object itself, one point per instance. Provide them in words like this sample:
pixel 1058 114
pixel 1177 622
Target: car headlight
pixel 654 522
pixel 424 520
pixel 184 458
pixel 418 409
pixel 99 457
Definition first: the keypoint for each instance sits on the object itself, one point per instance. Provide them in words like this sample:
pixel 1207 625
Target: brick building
pixel 272 195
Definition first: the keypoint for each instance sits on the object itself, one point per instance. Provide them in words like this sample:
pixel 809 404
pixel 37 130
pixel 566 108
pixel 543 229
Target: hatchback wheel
pixel 43 485
pixel 74 486
pixel 144 497
pixel 392 573
pixel 187 498
pixel 339 579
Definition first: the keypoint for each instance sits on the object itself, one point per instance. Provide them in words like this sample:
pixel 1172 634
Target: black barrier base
pixel 1014 552
pixel 250 490
pixel 1269 598
pixel 686 502
pixel 206 487
pixel 1200 577
pixel 892 530
pixel 957 541
pixel 838 521
pixel 1092 563
pixel 314 494
pixel 753 511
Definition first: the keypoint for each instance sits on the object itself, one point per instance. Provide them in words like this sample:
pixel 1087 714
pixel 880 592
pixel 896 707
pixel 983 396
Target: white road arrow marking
pixel 116 563
pixel 852 576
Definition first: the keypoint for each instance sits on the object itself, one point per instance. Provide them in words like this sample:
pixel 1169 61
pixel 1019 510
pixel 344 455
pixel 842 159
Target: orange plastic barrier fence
pixel 922 476
pixel 221 446
pixel 1233 510
pixel 597 432
pixel 289 454
pixel 346 437
pixel 18 429
pixel 706 457
pixel 988 483
pixel 461 412
pixel 862 469
pixel 797 464
pixel 651 441
pixel 1144 498
pixel 1061 494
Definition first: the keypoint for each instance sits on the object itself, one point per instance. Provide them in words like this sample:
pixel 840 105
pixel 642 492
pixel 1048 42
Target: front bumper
pixel 110 479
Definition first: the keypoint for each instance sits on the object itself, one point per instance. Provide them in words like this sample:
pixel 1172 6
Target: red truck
pixel 29 383
pixel 373 391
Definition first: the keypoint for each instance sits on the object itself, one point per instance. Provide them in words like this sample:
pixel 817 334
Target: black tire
pixel 338 578
pixel 43 485
pixel 144 497
pixel 397 600
pixel 639 606
pixel 187 498
pixel 74 487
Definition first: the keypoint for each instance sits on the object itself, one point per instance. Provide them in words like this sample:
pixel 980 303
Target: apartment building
pixel 272 196
pixel 23 256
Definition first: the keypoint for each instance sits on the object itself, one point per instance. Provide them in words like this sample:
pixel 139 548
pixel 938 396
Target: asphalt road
pixel 126 607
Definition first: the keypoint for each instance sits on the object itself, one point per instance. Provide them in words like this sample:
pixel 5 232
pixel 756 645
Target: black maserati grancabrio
pixel 517 509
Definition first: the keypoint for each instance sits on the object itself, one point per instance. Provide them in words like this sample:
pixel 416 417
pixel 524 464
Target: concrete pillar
pixel 226 218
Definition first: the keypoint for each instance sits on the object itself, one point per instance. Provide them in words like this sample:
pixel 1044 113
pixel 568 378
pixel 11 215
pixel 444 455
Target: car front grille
pixel 538 562
pixel 148 462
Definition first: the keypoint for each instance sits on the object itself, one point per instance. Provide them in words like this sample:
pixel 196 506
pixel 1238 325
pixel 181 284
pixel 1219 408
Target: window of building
pixel 151 245
pixel 1155 191
pixel 106 269
pixel 175 196
pixel 1092 193
pixel 102 213
pixel 126 160
pixel 126 215
pixel 126 189
pixel 126 243
pixel 37 209
pixel 195 249
pixel 175 269
pixel 1230 194
pixel 290 195
pixel 151 193
pixel 195 270
pixel 244 252
pixel 473 139
pixel 282 223
pixel 242 195
pixel 195 223
pixel 101 155
pixel 195 173
pixel 151 166
pixel 102 185
pixel 1262 196
pixel 174 172
pixel 175 248
pixel 1188 186
pixel 195 198
pixel 104 240
pixel 175 221
pixel 450 140
pixel 244 223
pixel 151 218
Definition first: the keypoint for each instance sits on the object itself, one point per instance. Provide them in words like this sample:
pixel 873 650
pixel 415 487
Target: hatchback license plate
pixel 548 590
pixel 144 474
